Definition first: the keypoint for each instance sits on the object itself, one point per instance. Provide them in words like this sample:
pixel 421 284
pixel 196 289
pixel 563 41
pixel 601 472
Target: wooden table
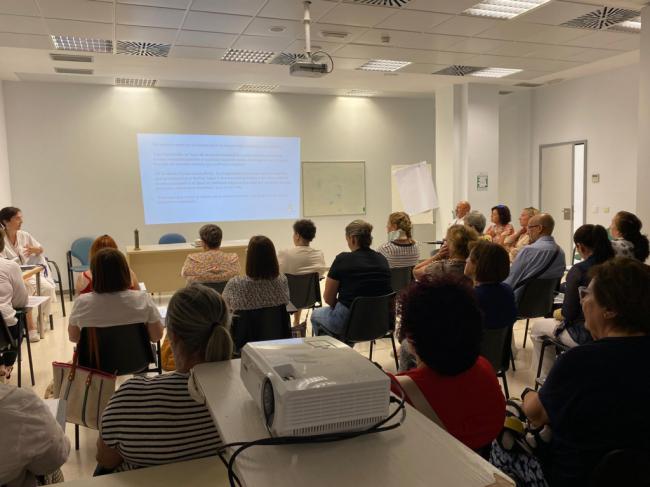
pixel 202 472
pixel 418 453
pixel 160 265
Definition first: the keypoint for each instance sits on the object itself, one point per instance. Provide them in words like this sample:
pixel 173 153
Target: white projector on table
pixel 314 385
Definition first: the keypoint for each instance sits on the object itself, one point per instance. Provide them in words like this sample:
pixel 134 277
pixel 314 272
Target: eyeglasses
pixel 583 292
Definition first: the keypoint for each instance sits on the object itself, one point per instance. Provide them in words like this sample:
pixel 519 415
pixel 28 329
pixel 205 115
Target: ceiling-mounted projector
pixel 308 67
pixel 314 385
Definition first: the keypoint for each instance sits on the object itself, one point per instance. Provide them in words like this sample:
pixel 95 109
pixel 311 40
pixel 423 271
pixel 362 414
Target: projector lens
pixel 268 401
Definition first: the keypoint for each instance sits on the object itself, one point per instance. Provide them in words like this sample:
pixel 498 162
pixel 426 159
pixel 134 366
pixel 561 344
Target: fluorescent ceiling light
pixel 247 56
pixel 135 82
pixel 72 43
pixel 628 25
pixel 257 88
pixel 385 65
pixel 361 93
pixel 503 9
pixel 495 72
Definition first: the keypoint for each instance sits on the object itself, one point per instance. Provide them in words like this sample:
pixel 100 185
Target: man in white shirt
pixel 462 209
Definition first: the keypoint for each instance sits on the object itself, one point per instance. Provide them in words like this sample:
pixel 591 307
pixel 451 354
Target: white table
pixel 418 453
pixel 37 302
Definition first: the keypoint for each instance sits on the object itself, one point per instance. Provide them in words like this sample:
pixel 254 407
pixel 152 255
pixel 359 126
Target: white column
pixel 643 165
pixel 5 183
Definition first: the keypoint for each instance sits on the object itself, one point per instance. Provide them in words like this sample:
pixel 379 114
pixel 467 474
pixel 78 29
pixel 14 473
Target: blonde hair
pixel 459 238
pixel 402 221
pixel 532 211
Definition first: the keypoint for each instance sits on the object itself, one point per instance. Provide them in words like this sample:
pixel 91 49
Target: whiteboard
pixel 333 188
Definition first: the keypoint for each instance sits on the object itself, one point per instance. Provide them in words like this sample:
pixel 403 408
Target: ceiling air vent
pixel 602 19
pixel 383 3
pixel 457 70
pixel 151 49
pixel 529 85
pixel 74 58
pixel 73 71
pixel 288 58
pixel 135 82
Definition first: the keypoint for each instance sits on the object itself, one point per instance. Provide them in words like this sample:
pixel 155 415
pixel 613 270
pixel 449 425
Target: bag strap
pixel 542 271
pixel 418 400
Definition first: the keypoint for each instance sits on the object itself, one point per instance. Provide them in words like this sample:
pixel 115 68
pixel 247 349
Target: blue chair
pixel 171 238
pixel 80 250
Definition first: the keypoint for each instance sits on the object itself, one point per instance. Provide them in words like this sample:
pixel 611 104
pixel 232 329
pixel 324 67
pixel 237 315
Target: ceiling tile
pixel 556 13
pixel 233 7
pixel 145 34
pixel 275 44
pixel 443 6
pixel 281 9
pixel 94 30
pixel 196 52
pixel 627 44
pixel 397 54
pixel 413 21
pixel 476 46
pixel 229 24
pixel 19 7
pixel 349 63
pixel 463 25
pixel 591 55
pixel 511 31
pixel 362 15
pixel 527 75
pixel 549 34
pixel 205 39
pixel 601 39
pixel 556 52
pixel 412 40
pixel 318 30
pixel 262 27
pixel 19 24
pixel 78 10
pixel 299 46
pixel 422 68
pixel 26 41
pixel 509 48
pixel 181 4
pixel 149 16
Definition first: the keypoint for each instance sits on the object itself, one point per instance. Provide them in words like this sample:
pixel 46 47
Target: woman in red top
pixel 443 324
pixel 84 283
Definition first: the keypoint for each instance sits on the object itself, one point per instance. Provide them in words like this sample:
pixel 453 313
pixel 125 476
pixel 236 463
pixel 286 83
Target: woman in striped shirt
pixel 400 250
pixel 155 420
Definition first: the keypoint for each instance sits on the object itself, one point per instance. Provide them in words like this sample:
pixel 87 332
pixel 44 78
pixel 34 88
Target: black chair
pixel 560 348
pixel 629 467
pixel 258 325
pixel 7 342
pixel 218 286
pixel 536 301
pixel 495 347
pixel 304 291
pixel 58 281
pixel 21 316
pixel 370 319
pixel 400 277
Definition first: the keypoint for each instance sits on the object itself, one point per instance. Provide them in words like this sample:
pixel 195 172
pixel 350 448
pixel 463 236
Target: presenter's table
pixel 418 453
pixel 160 265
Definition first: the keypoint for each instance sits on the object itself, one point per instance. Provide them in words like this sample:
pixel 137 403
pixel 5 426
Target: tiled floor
pixel 81 464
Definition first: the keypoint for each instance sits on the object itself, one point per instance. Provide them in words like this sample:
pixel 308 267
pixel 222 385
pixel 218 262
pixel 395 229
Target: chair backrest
pixel 537 298
pixel 629 467
pixel 7 342
pixel 171 238
pixel 400 277
pixel 304 290
pixel 258 325
pixel 123 349
pixel 218 286
pixel 370 318
pixel 80 250
pixel 495 347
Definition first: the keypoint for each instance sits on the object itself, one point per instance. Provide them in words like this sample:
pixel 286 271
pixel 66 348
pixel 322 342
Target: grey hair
pixel 200 319
pixel 476 220
pixel 362 231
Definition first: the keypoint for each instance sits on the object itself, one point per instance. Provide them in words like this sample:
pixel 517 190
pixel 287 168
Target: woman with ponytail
pixel 161 419
pixel 400 250
pixel 594 246
pixel 628 240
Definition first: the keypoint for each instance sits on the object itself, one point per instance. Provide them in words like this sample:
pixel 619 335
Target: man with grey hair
pixel 518 240
pixel 541 259
pixel 462 209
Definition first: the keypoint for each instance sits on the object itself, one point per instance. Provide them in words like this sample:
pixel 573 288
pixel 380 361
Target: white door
pixel 562 168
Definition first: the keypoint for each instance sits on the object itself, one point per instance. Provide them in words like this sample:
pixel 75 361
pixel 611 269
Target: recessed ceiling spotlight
pixel 72 43
pixel 361 93
pixel 503 9
pixel 257 88
pixel 247 56
pixel 385 65
pixel 495 72
pixel 136 82
pixel 278 28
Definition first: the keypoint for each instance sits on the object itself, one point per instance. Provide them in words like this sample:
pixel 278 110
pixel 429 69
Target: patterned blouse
pixel 210 266
pixel 496 232
pixel 623 248
pixel 242 292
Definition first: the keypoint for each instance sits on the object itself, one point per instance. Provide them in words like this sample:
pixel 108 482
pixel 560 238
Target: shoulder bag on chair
pixel 85 390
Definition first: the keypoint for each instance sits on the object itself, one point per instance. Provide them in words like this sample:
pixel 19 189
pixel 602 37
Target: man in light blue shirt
pixel 536 256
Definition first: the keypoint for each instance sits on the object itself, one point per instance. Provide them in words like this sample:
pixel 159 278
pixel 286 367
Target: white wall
pixel 643 167
pixel 78 143
pixel 5 185
pixel 602 109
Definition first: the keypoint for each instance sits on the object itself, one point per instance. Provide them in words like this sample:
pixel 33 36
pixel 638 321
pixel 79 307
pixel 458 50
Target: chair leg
pixel 29 356
pixel 512 360
pixel 372 342
pixel 76 437
pixel 392 341
pixel 526 331
pixel 52 322
pixel 541 361
pixel 505 385
pixel 19 355
pixel 62 297
pixel 70 285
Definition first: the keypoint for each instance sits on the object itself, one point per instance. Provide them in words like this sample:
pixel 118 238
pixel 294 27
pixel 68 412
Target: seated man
pixel 542 259
pixel 518 240
pixel 462 209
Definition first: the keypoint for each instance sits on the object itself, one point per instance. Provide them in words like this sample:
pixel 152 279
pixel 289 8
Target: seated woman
pixel 400 250
pixel 584 397
pixel 594 246
pixel 112 303
pixel 263 286
pixel 211 265
pixel 84 283
pixel 443 326
pixel 360 272
pixel 501 226
pixel 13 294
pixel 179 427
pixel 459 238
pixel 24 249
pixel 488 265
pixel 32 442
pixel 628 240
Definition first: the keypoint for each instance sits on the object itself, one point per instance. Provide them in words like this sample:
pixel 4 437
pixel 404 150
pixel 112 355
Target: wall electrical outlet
pixel 595 178
pixel 606 209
